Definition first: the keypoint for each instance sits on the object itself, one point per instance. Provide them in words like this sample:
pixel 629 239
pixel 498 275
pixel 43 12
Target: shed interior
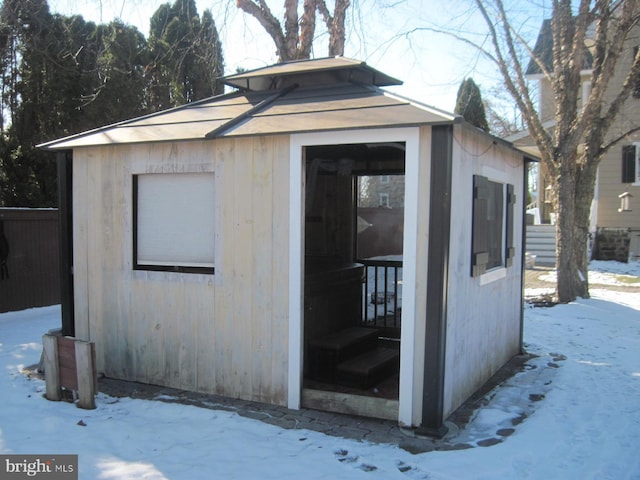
pixel 354 214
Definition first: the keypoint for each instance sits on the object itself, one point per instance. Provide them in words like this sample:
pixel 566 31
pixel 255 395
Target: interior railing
pixel 382 293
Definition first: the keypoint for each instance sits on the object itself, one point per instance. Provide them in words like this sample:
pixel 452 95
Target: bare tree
pixel 581 134
pixel 294 37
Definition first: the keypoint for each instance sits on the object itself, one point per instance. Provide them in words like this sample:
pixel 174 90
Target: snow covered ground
pixel 581 396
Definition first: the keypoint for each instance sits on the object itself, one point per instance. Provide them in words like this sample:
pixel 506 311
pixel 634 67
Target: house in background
pixel 615 211
pixel 214 247
pixel 386 191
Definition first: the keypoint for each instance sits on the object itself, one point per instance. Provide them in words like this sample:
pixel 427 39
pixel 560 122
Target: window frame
pixel 171 266
pixel 631 164
pixel 480 251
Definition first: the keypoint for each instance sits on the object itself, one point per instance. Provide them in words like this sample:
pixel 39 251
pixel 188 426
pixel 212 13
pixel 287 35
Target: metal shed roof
pixel 307 101
pixel 305 72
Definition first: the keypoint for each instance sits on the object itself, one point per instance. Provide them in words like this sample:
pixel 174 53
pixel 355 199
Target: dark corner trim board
pixel 436 321
pixel 64 161
pixel 525 189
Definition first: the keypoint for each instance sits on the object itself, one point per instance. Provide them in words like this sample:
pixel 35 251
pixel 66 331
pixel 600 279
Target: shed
pixel 215 247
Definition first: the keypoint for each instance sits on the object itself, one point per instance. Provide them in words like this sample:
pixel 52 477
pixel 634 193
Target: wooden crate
pixel 69 363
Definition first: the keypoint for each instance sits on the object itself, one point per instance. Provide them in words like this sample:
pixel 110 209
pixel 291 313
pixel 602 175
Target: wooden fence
pixel 30 267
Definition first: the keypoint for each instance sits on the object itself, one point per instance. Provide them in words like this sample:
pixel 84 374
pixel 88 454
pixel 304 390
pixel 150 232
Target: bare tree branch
pixel 291 26
pixel 613 142
pixel 307 29
pixel 294 39
pixel 517 86
pixel 261 12
pixel 608 46
pixel 335 24
pixel 592 35
pixel 626 21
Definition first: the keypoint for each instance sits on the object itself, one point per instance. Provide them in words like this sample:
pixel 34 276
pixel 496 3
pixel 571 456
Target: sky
pixel 396 37
pixel 578 396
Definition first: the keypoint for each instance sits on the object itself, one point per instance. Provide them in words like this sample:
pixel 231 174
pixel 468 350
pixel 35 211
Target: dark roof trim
pixel 455 118
pixel 321 71
pixel 248 113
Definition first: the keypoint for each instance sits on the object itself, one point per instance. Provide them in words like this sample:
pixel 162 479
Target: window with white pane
pixel 174 222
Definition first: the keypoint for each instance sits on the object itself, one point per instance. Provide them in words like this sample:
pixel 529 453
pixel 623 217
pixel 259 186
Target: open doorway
pixel 354 217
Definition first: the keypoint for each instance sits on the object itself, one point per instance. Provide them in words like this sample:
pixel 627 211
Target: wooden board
pixel 67 363
pixel 51 371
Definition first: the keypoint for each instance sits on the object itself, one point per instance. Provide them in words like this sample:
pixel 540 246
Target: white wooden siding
pixel 225 333
pixel 483 318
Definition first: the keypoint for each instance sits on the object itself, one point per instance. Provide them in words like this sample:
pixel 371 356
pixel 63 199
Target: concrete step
pixel 541 242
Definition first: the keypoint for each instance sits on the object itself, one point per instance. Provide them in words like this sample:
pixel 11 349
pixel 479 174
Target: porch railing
pixel 382 293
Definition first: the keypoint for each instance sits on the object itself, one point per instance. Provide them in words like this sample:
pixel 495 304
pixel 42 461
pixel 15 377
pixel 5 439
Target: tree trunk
pixel 572 228
pixel 585 190
pixel 295 40
pixel 571 282
pixel 604 30
pixel 568 283
pixel 336 28
pixel 290 31
pixel 584 196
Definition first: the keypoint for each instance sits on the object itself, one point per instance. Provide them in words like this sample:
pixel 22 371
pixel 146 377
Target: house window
pixel 492 243
pixel 384 179
pixel 173 228
pixel 631 164
pixel 383 200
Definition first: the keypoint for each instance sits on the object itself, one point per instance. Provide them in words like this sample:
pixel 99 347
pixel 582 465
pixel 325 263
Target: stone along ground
pixel 535 376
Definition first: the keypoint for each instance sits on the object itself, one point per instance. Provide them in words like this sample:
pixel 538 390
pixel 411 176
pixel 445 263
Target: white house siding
pixel 225 333
pixel 610 170
pixel 483 313
pixel 609 187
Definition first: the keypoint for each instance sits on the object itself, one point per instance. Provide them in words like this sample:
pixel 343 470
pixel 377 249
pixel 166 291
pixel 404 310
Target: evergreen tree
pixel 469 104
pixel 186 55
pixel 211 54
pixel 60 75
pixel 119 92
pixel 28 175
